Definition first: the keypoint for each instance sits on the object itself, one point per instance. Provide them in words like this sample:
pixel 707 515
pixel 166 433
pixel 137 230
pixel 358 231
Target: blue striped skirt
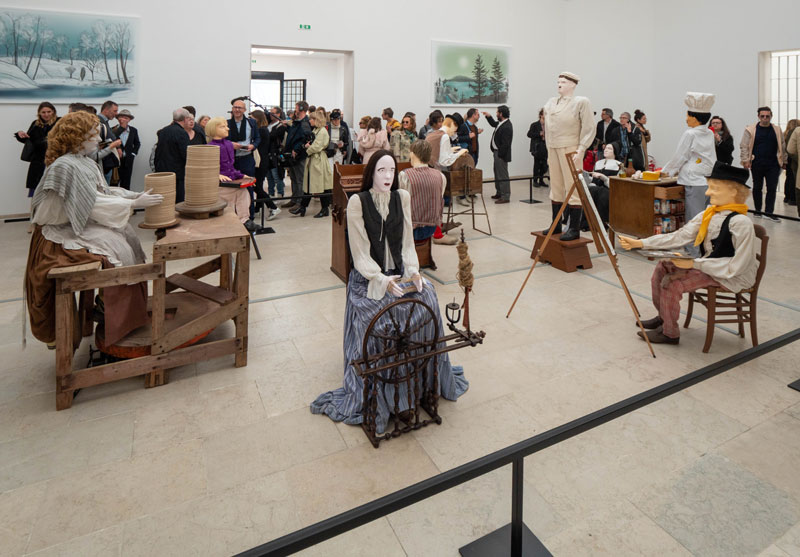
pixel 346 403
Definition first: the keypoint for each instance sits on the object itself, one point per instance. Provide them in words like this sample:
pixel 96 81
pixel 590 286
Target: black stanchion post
pixel 795 385
pixel 530 199
pixel 517 477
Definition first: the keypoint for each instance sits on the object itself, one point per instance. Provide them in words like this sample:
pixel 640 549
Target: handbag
pixel 27 151
pixel 331 149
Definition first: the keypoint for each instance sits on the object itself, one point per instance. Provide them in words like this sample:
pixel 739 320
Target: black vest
pixel 236 135
pixel 722 245
pixel 379 231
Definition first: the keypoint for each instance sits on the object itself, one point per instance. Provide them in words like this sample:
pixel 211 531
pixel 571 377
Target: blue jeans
pixel 423 232
pixel 274 179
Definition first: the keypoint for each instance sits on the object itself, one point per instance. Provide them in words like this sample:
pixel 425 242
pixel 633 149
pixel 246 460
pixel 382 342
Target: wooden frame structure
pixel 599 236
pixel 224 237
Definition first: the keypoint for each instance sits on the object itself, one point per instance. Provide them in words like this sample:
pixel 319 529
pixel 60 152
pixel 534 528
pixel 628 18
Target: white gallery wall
pixel 629 53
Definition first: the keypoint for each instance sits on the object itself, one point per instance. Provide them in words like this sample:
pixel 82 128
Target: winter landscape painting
pixel 469 74
pixel 65 57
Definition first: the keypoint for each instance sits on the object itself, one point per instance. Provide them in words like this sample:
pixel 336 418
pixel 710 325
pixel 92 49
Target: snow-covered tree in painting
pixel 64 56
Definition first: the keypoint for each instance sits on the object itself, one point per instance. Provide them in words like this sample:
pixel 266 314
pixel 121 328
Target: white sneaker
pixel 756 216
pixel 273 213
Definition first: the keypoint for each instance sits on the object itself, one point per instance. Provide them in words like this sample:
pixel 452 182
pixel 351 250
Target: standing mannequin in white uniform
pixel 570 127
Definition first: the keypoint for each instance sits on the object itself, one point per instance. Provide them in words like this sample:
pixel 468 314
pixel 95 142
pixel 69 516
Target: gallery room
pixel 416 279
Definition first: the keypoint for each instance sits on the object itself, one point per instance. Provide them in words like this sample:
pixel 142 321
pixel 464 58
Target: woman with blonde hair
pixel 403 137
pixel 79 219
pixel 318 176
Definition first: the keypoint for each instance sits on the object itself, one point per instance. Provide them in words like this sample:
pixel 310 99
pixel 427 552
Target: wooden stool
pixel 423 249
pixel 564 256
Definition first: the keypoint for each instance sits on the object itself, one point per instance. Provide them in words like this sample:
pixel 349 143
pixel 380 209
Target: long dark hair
pixel 369 170
pixel 726 133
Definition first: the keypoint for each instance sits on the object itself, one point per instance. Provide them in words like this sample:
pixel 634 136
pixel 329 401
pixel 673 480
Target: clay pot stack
pixel 202 176
pixel 163 214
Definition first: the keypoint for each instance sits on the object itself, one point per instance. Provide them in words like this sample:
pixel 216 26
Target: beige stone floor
pixel 223 459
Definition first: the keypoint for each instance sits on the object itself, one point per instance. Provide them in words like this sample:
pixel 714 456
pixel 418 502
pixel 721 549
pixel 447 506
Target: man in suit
pixel 538 150
pixel 130 147
pixel 245 137
pixel 607 129
pixel 173 140
pixel 474 131
pixel 501 149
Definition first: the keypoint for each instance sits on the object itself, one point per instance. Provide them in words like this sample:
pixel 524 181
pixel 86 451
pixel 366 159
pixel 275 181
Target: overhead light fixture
pixel 278 52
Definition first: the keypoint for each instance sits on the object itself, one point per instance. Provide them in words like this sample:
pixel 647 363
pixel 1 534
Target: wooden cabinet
pixel 633 207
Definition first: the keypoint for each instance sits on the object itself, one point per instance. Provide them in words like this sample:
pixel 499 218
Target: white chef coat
pixel 694 158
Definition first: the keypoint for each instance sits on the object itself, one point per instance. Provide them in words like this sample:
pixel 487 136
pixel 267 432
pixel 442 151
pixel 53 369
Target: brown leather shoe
pixel 658 337
pixel 501 201
pixel 496 196
pixel 653 323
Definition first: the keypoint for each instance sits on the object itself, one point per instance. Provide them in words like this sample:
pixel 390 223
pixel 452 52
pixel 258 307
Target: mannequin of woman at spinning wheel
pixel 385 269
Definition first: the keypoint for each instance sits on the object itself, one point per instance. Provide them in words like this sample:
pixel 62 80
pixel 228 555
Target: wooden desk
pixel 171 344
pixel 631 204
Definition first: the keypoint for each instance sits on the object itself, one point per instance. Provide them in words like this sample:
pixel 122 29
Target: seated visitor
pixel 79 219
pixel 237 198
pixel 452 157
pixel 426 186
pixel 727 242
pixel 381 244
pixel 603 169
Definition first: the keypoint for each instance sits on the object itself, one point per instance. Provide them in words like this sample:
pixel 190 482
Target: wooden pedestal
pixel 564 256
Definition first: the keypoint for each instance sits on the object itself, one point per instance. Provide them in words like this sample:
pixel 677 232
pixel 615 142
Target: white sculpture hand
pixel 394 288
pixel 147 199
pixel 417 280
pixel 223 178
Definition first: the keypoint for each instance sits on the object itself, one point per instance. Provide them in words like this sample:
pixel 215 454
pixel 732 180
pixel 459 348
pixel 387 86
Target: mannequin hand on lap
pixel 628 243
pixel 683 263
pixel 147 199
pixel 394 288
pixel 417 280
pixel 223 178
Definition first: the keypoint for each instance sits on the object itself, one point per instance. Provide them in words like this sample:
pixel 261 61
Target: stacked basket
pixel 163 214
pixel 202 176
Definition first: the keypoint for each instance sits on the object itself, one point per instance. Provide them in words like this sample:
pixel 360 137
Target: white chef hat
pixel 699 102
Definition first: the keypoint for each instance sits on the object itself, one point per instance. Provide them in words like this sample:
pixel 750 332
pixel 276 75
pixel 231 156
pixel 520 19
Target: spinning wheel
pixel 399 366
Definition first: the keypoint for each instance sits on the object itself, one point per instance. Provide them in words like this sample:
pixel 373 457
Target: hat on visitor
pixel 730 173
pixel 699 102
pixel 336 115
pixel 571 76
pixel 126 113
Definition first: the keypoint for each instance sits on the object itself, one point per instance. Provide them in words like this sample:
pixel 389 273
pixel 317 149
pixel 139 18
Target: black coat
pixel 298 135
pixel 38 136
pixel 725 150
pixel 171 151
pixel 501 137
pixel 132 146
pixel 538 145
pixel 611 135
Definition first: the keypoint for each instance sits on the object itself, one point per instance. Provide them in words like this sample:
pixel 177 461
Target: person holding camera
pixel 294 153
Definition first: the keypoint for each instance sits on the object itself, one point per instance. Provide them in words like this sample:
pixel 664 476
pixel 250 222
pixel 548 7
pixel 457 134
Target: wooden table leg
pixel 85 312
pixel 159 376
pixel 242 285
pixel 64 324
pixel 225 271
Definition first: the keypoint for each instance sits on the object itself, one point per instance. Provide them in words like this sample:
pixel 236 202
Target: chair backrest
pixel 761 234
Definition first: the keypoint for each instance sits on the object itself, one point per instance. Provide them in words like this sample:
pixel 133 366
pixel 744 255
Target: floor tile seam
pixel 396 536
pixel 92 533
pixel 654 523
pixel 749 427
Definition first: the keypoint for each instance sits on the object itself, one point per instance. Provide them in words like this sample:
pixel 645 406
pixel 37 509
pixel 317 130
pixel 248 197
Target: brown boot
pixel 658 337
pixel 653 323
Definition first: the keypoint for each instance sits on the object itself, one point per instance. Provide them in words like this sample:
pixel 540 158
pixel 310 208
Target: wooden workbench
pixel 170 340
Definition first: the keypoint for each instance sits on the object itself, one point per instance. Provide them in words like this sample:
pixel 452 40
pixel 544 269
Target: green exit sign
pixel 305 27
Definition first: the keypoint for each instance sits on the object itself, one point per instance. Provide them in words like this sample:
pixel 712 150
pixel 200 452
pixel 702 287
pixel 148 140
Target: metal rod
pixel 378 508
pixel 517 477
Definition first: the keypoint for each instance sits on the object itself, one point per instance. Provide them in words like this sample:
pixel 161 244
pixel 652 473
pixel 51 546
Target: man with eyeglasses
pixel 763 151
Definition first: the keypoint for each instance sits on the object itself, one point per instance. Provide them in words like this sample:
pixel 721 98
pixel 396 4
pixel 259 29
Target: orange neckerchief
pixel 710 211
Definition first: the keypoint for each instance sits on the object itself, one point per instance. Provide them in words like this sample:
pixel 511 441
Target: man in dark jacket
pixel 297 136
pixel 173 141
pixel 501 149
pixel 130 147
pixel 607 129
pixel 538 150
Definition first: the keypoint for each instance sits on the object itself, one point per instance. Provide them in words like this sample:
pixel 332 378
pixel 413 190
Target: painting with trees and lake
pixel 469 74
pixel 65 57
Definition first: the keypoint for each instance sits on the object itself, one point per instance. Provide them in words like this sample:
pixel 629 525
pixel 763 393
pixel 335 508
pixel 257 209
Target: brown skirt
pixel 125 306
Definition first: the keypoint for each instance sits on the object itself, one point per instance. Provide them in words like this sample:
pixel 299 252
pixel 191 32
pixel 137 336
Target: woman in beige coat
pixel 793 150
pixel 318 177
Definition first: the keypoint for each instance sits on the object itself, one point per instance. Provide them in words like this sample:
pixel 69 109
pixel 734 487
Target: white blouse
pixel 359 243
pixel 734 273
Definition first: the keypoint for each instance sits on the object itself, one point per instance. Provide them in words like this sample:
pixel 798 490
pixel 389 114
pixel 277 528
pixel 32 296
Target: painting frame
pixel 454 73
pixel 68 56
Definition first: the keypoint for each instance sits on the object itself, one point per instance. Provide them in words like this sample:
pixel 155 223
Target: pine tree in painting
pixel 481 77
pixel 497 81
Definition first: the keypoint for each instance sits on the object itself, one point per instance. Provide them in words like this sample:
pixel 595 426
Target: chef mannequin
pixel 695 156
pixel 726 239
pixel 238 198
pixel 381 243
pixel 570 127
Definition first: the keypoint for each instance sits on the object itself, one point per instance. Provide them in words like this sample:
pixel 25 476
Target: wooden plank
pixel 242 282
pixel 200 248
pixel 225 271
pixel 112 277
pixel 61 272
pixel 200 271
pixel 64 322
pixel 193 328
pixel 226 225
pixel 156 377
pixel 202 289
pixel 139 366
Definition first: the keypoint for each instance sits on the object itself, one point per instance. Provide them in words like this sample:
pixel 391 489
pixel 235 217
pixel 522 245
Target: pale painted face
pixel 720 192
pixel 384 174
pixel 221 131
pixel 565 86
pixel 91 142
pixel 608 152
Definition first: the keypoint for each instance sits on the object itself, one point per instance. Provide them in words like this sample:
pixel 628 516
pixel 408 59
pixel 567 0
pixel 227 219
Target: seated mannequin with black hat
pixel 726 239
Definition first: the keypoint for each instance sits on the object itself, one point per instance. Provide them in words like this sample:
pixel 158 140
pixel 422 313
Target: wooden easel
pixel 599 240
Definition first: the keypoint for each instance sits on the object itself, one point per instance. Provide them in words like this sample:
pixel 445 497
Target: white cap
pixel 571 76
pixel 699 102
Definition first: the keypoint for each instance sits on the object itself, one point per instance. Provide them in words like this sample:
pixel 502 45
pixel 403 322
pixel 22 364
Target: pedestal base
pixel 564 256
pixel 498 543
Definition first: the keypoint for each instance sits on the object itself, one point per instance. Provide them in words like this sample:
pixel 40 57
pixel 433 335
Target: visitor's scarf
pixel 76 179
pixel 710 211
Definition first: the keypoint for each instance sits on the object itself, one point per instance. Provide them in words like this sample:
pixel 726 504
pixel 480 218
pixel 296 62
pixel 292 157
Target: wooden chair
pixel 725 306
pixel 424 255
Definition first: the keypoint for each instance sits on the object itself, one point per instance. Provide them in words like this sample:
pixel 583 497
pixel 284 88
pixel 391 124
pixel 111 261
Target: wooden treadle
pixel 202 289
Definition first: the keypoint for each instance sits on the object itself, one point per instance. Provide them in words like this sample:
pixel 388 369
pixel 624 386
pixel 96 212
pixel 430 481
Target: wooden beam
pixel 61 272
pixel 200 248
pixel 202 289
pixel 200 271
pixel 112 277
pixel 196 327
